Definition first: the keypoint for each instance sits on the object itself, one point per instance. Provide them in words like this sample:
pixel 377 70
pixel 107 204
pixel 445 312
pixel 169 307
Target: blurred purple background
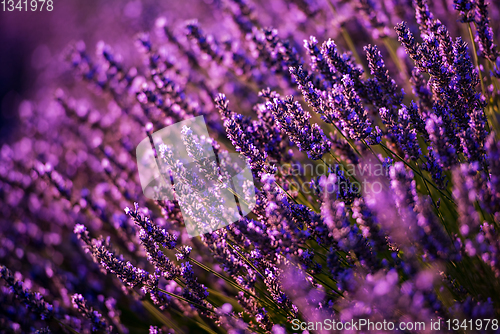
pixel 31 43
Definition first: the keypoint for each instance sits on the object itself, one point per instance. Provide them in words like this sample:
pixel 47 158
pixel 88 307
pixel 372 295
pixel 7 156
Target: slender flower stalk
pixel 154 238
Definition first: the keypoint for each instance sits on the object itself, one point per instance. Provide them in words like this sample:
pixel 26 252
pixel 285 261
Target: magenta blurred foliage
pixel 32 42
pixel 82 249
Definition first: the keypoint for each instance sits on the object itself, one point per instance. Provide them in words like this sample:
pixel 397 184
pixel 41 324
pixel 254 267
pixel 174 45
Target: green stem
pixel 394 56
pixel 245 259
pixel 195 320
pixel 371 150
pixel 233 284
pixel 416 171
pixel 348 39
pixel 433 202
pixel 62 324
pixel 161 317
pixel 186 300
pixel 347 172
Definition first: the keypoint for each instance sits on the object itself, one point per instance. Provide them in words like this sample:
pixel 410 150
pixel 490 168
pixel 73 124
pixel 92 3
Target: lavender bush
pixel 372 130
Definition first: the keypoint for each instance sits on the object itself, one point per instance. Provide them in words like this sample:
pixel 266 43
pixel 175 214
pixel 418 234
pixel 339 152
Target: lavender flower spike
pixel 33 301
pixel 233 123
pixel 102 254
pixel 97 320
pixel 349 111
pixel 424 17
pixel 406 37
pixel 342 65
pixel 383 89
pixel 156 233
pixel 311 95
pixel 295 122
pixel 441 147
pixel 466 9
pixel 318 61
pixel 485 37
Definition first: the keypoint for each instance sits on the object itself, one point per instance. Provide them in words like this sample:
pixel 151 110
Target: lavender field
pixel 371 132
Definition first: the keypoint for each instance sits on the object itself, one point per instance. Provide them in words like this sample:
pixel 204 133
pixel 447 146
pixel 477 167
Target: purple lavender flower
pixel 403 132
pixel 433 237
pixel 415 117
pixel 312 96
pixel 318 62
pixel 235 127
pixel 349 111
pixel 423 15
pixel 193 291
pixel 369 226
pixel 346 235
pixel 493 151
pixel 183 253
pixel 474 240
pixel 484 35
pixel 405 192
pixel 269 135
pixel 278 54
pixel 155 330
pixel 156 233
pixel 405 36
pixel 445 42
pixel 433 166
pixel 466 9
pixel 466 79
pixel 295 123
pixel 383 90
pixel 33 301
pixel 153 238
pixel 444 152
pixel 285 52
pixel 275 288
pixel 343 64
pixel 243 13
pixel 206 43
pixel 96 319
pixel 422 91
pixel 101 252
